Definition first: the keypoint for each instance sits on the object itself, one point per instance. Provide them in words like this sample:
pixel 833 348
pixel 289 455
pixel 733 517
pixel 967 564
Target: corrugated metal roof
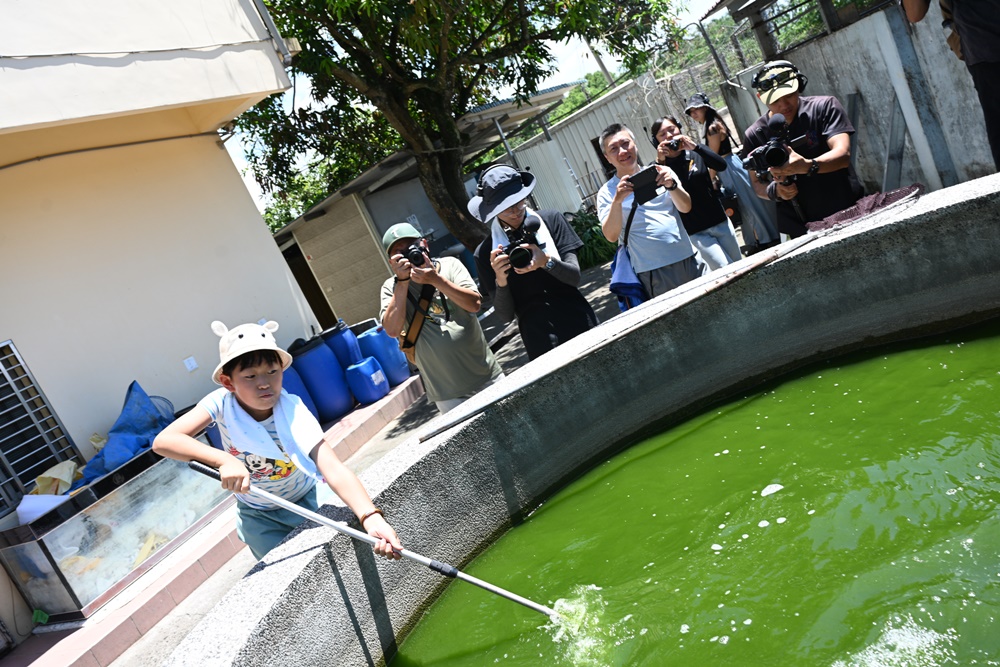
pixel 402 165
pixel 512 100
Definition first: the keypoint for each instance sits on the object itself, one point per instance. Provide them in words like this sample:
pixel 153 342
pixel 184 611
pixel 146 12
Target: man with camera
pixel 658 245
pixel 528 262
pixel 430 306
pixel 802 146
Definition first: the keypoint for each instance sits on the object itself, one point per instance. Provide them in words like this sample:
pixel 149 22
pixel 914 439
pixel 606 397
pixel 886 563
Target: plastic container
pixel 324 379
pixel 367 380
pixel 212 433
pixel 377 343
pixel 344 344
pixel 293 384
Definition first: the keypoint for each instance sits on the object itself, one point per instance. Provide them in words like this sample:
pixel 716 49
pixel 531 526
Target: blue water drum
pixel 212 433
pixel 344 344
pixel 377 343
pixel 324 379
pixel 293 384
pixel 367 381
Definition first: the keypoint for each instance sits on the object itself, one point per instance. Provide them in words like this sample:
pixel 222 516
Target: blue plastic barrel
pixel 212 433
pixel 367 381
pixel 293 384
pixel 344 344
pixel 377 343
pixel 324 379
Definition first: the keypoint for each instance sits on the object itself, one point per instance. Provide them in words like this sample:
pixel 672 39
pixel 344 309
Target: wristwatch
pixel 549 264
pixel 813 168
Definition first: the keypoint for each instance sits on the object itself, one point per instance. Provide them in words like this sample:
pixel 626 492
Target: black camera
pixel 775 152
pixel 415 254
pixel 644 185
pixel 526 233
pixel 674 144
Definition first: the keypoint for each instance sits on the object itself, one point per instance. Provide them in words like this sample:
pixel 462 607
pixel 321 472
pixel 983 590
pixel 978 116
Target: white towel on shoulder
pixel 297 428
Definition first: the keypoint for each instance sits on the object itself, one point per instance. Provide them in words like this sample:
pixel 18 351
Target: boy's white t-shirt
pixel 278 476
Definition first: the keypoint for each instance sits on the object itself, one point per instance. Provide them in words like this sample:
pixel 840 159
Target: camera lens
pixel 520 257
pixel 775 155
pixel 415 254
pixel 674 144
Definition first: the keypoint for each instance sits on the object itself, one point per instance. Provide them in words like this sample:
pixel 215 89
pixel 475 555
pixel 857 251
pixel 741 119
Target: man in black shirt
pixel 816 181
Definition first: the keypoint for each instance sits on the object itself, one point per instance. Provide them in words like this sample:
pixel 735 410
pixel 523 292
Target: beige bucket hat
pixel 246 338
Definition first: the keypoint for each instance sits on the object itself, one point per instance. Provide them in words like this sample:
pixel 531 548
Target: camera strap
pixel 628 225
pixel 413 329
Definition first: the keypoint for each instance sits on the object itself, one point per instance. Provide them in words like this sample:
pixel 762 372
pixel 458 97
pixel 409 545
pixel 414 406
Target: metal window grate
pixel 32 439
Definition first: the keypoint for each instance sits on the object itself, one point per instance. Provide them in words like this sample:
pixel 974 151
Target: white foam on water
pixel 716 547
pixel 771 488
pixel 764 524
pixel 585 637
pixel 905 643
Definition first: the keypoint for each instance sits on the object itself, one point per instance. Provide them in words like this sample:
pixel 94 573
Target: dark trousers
pixel 986 77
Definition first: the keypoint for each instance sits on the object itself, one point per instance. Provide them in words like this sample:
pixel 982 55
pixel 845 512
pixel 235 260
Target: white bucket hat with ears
pixel 246 338
pixel 500 187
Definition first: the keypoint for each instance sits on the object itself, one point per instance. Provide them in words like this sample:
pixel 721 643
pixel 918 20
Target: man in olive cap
pixel 816 181
pixel 446 341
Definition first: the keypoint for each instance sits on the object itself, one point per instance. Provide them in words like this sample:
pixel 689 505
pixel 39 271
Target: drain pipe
pixel 272 30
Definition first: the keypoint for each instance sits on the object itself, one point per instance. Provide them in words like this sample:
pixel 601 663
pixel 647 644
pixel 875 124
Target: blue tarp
pixel 139 422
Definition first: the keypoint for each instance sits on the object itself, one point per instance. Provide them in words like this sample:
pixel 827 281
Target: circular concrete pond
pixel 925 266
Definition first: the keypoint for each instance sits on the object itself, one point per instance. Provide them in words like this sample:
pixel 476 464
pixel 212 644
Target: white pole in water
pixel 439 567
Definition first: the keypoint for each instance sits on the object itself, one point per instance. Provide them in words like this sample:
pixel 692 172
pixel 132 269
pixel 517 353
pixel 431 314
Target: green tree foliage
pixel 417 66
pixel 299 193
pixel 596 248
pixel 594 86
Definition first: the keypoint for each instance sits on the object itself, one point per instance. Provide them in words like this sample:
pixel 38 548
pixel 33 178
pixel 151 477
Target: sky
pixel 573 59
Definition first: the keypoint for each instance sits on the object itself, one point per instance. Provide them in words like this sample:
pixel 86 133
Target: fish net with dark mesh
pixel 865 206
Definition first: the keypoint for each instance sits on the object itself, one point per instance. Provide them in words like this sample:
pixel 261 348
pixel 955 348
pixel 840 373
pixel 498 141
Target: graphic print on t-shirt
pixel 262 468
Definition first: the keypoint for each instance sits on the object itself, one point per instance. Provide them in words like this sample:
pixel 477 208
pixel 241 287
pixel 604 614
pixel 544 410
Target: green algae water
pixel 846 516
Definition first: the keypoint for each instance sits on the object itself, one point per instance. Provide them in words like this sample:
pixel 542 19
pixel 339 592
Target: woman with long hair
pixel 706 223
pixel 760 228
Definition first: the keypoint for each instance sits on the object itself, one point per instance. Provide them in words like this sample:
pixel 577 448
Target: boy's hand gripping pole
pixel 439 567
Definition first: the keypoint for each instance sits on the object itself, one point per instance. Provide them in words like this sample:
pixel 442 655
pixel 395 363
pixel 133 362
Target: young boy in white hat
pixel 269 439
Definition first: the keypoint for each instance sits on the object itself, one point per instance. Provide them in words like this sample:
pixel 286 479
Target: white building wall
pixel 116 261
pixel 65 60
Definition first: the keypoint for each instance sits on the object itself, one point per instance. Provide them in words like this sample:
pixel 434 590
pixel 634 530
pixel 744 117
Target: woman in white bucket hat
pixel 528 263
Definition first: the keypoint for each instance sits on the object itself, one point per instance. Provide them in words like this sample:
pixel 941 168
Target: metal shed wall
pixel 630 103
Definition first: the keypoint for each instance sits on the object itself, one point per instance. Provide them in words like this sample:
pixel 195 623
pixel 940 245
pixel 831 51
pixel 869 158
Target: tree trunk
pixel 438 168
pixel 448 200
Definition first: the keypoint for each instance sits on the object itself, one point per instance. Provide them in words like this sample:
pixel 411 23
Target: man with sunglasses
pixel 817 180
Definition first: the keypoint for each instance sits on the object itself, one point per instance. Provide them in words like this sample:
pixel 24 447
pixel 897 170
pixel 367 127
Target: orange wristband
pixel 368 515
